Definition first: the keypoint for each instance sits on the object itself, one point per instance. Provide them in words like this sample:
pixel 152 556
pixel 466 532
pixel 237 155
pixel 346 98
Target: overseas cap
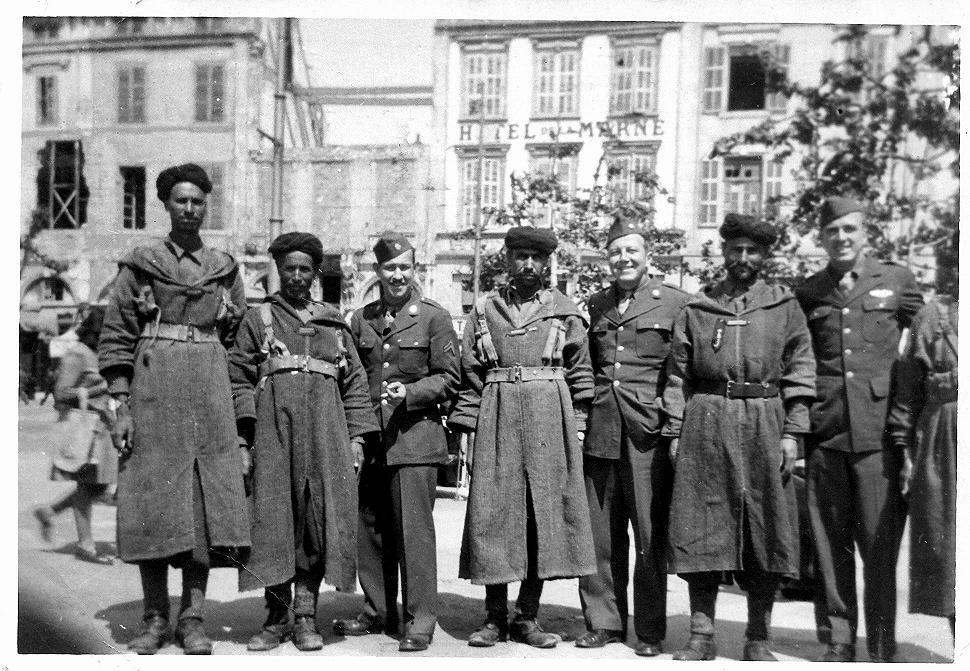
pixel 391 245
pixel 187 172
pixel 835 207
pixel 528 237
pixel 307 243
pixel 622 225
pixel 745 226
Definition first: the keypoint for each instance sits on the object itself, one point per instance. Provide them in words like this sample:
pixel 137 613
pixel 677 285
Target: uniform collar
pixel 178 252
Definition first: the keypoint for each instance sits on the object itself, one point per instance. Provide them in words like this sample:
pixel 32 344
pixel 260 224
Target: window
pixel 45 29
pixel 130 25
pixel 131 95
pixel 634 80
pixel 741 71
pixel 774 171
pixel 556 82
pixel 133 197
pixel 626 163
pixel 545 161
pixel 62 192
pixel 742 185
pixel 331 195
pixel 483 87
pixel 210 85
pixel 394 195
pixel 710 176
pixel 215 203
pixel 210 24
pixel 46 100
pixel 493 177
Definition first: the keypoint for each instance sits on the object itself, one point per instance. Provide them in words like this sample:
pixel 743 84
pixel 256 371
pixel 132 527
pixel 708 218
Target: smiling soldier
pixel 410 351
pixel 626 463
pixel 857 308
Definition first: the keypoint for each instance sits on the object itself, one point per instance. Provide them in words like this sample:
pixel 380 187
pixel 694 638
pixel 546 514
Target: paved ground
pixel 70 606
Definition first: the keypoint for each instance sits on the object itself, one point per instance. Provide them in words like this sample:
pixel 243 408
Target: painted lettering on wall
pixel 563 131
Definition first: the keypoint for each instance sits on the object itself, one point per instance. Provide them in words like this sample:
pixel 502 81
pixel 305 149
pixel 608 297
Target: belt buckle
pixel 517 373
pixel 304 363
pixel 729 388
pixel 189 332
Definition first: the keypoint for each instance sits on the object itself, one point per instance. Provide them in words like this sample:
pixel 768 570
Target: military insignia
pixel 655 293
pixel 449 347
pixel 413 310
pixel 397 246
pixel 718 338
pixel 881 293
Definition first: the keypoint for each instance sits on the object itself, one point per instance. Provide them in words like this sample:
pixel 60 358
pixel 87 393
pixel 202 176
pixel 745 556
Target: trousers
pixel 154 585
pixel 299 595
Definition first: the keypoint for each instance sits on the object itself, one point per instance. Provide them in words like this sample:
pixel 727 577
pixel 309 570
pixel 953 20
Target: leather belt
pixel 302 364
pixel 182 332
pixel 524 374
pixel 732 389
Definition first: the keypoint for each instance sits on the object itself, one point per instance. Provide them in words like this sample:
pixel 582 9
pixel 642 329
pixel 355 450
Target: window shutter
pixel 713 93
pixel 544 83
pixel 124 95
pixel 138 94
pixel 201 93
pixel 777 101
pixel 710 175
pixel 218 92
pixel 646 74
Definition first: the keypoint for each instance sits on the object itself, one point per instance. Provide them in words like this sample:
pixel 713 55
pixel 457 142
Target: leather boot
pixel 490 633
pixel 528 631
pixel 276 629
pixel 269 637
pixel 361 625
pixel 757 651
pixel 838 652
pixel 191 636
pixel 597 638
pixel 153 635
pixel 699 647
pixel 305 635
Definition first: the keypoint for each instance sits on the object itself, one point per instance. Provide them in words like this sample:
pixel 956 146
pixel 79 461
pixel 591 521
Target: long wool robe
pixel 526 434
pixel 181 410
pixel 304 493
pixel 727 466
pixel 925 413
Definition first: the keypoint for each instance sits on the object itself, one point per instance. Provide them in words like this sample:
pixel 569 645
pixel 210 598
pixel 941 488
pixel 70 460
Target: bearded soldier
pixel 526 387
pixel 741 378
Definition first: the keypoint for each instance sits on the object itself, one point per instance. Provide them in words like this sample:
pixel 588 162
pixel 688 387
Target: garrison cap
pixel 835 207
pixel 745 226
pixel 391 245
pixel 187 172
pixel 623 225
pixel 528 237
pixel 296 241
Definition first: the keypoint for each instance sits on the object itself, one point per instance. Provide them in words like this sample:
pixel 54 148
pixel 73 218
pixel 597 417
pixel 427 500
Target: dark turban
pixel 527 237
pixel 745 226
pixel 836 207
pixel 622 225
pixel 187 172
pixel 307 243
pixel 391 245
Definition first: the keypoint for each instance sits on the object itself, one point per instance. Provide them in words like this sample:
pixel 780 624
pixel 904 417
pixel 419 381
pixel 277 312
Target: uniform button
pixel 386 346
pixel 619 328
pixel 845 311
pixel 848 352
pixel 616 383
pixel 384 383
pixel 387 365
pixel 616 365
pixel 656 326
pixel 619 348
pixel 849 374
pixel 384 402
pixel 846 330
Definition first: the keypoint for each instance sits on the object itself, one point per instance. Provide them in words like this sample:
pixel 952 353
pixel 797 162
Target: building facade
pixel 631 95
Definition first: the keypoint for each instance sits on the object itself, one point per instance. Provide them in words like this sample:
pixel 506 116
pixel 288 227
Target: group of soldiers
pixel 300 449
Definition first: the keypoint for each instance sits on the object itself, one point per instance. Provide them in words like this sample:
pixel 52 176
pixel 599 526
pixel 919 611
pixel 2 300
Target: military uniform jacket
pixel 855 336
pixel 420 349
pixel 628 352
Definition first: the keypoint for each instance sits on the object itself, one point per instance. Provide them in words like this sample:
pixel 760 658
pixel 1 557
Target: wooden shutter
pixel 777 101
pixel 710 177
pixel 714 80
pixel 201 93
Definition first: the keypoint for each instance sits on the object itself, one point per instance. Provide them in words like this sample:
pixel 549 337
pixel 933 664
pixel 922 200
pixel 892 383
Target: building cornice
pixel 472 30
pixel 137 42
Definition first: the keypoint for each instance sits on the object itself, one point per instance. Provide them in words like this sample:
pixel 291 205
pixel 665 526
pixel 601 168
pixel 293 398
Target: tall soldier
pixel 525 390
pixel 410 352
pixel 174 308
pixel 741 378
pixel 857 308
pixel 626 460
pixel 302 408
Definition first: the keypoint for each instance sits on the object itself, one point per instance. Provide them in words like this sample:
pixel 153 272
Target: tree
pixel 886 136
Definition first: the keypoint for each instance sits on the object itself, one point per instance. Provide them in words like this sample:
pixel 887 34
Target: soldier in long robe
pixel 741 376
pixel 174 309
pixel 302 408
pixel 527 382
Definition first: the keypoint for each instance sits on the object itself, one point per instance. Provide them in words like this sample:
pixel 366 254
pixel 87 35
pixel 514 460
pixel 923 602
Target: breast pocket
pixel 878 317
pixel 413 355
pixel 653 336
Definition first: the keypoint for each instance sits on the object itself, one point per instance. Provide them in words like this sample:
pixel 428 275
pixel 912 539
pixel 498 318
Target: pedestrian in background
pixel 94 463
pixel 626 460
pixel 302 409
pixel 409 349
pixel 174 309
pixel 526 388
pixel 923 423
pixel 857 308
pixel 741 376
